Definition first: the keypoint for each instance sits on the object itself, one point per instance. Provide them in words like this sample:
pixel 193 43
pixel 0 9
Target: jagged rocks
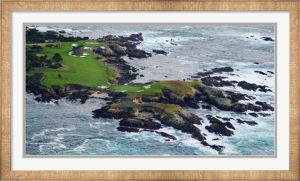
pixel 260 72
pixel 126 73
pixel 160 52
pixel 222 69
pixel 215 70
pixel 119 50
pixel 109 112
pixel 253 87
pixel 218 127
pixel 127 129
pixel 208 107
pixel 265 106
pixel 121 46
pixel 137 53
pixel 267 39
pixel 217 81
pixel 166 135
pixel 253 114
pixel 179 123
pixel 140 123
pixel 251 123
pixel 79 95
pixel 190 117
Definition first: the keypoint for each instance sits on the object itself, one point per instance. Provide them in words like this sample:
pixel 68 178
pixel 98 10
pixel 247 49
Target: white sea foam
pixel 190 49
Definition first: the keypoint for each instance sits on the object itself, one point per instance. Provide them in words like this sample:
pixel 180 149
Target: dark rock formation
pixel 227 119
pixel 219 148
pixel 235 96
pixel 166 135
pixel 190 117
pixel 208 107
pixel 267 39
pixel 72 92
pixel 215 70
pixel 127 129
pixel 126 73
pixel 253 87
pixel 139 123
pixel 260 72
pixel 122 45
pixel 179 123
pixel 222 69
pixel 265 106
pixel 118 49
pixel 251 123
pixel 217 81
pixel 218 127
pixel 160 52
pixel 264 114
pixel 137 53
pixel 253 114
pixel 224 100
pixel 79 95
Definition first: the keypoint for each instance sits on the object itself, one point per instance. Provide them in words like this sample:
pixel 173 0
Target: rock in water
pixel 251 123
pixel 265 106
pixel 138 53
pixel 260 72
pixel 218 127
pixel 127 129
pixel 267 38
pixel 139 123
pixel 160 52
pixel 166 135
pixel 253 114
pixel 253 87
pixel 119 50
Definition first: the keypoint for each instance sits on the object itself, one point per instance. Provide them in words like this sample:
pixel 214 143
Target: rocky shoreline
pixel 139 113
pixel 116 47
pixel 220 81
pixel 149 112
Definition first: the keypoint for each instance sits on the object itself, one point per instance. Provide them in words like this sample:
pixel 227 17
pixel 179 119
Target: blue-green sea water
pixel 67 128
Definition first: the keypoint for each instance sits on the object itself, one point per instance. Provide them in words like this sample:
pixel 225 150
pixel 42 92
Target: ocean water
pixel 67 128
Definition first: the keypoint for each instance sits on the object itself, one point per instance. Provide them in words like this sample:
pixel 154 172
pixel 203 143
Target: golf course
pixel 88 70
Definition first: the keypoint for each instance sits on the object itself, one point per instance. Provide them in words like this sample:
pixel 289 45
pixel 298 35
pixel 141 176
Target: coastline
pixel 126 73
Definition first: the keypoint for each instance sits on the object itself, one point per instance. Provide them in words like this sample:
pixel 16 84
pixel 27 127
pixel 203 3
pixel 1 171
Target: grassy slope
pixel 86 71
pixel 155 88
pixel 152 89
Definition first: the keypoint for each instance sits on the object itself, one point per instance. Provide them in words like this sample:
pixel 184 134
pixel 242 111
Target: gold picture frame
pixel 9 6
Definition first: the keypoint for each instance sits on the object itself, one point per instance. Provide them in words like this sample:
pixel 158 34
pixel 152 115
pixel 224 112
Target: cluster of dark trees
pixel 34 58
pixel 78 50
pixel 35 36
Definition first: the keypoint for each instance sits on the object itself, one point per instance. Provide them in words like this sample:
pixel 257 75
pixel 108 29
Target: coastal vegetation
pixel 85 71
pixel 75 68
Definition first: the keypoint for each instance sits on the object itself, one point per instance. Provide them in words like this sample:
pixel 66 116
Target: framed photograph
pixel 156 90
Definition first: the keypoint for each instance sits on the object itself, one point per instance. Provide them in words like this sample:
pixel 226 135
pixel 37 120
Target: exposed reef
pixel 151 106
pixel 220 81
pixel 165 101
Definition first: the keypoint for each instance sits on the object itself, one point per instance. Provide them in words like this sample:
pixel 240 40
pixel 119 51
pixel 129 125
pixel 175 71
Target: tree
pixel 36 48
pixel 57 57
pixel 78 50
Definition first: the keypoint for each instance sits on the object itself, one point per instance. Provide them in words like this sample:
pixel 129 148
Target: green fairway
pixel 85 71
